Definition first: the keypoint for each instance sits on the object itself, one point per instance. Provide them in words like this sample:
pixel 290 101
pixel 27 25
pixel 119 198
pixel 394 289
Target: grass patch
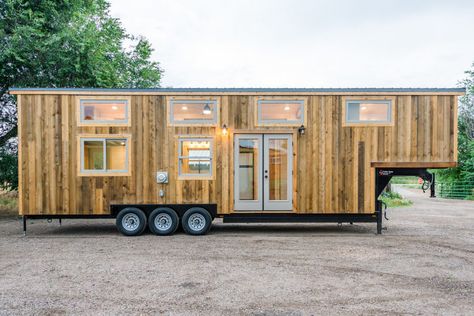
pixel 404 180
pixel 469 197
pixel 8 204
pixel 393 199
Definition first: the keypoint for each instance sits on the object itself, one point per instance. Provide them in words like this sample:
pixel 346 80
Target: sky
pixel 304 43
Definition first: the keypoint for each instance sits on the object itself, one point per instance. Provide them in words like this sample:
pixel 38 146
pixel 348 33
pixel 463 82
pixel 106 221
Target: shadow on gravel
pixel 256 229
pixel 71 228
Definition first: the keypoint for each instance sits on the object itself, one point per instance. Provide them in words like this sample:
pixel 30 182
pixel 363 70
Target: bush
pixel 394 199
pixel 8 171
pixel 8 203
pixel 404 180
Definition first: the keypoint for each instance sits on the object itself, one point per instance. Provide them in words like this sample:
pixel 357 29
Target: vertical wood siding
pixel 332 162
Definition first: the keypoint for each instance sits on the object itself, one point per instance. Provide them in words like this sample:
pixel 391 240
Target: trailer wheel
pixel 196 221
pixel 131 221
pixel 163 221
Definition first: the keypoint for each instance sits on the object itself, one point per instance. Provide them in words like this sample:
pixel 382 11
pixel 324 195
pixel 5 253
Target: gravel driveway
pixel 422 264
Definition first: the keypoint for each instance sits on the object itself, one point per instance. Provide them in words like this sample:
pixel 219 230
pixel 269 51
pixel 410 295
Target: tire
pixel 196 221
pixel 131 221
pixel 163 221
pixel 180 226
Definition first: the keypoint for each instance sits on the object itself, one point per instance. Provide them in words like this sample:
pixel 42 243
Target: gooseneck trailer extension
pixel 163 158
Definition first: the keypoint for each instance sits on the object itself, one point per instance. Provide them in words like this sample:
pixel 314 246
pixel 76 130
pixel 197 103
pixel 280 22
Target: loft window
pixel 195 157
pixel 104 155
pixel 280 112
pixel 104 112
pixel 193 112
pixel 368 111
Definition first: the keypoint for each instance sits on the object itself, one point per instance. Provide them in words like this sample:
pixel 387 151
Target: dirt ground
pixel 422 264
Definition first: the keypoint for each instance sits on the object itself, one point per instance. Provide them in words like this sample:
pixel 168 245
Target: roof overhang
pixel 242 91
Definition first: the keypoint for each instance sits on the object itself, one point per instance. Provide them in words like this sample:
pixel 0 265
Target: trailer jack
pixel 385 210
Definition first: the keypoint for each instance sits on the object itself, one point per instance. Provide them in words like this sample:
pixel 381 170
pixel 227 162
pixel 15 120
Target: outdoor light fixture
pixel 224 130
pixel 114 107
pixel 206 110
pixel 301 130
pixel 184 108
pixel 287 108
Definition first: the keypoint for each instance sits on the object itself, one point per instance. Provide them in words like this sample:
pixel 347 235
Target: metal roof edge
pixel 252 90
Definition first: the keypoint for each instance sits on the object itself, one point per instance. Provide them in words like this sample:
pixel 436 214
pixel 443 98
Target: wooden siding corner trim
pixel 455 140
pixel 20 156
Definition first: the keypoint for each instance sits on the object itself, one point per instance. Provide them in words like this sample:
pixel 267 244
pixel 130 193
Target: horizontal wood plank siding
pixel 333 164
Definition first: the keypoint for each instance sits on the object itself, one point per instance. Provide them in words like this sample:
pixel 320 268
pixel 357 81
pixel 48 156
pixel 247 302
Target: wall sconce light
pixel 224 130
pixel 302 130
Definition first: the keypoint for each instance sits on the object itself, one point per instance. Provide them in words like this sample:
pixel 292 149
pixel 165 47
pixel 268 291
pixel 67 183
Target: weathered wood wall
pixel 333 172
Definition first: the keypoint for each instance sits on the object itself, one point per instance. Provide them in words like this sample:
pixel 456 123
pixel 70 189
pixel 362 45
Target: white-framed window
pixel 280 112
pixel 193 112
pixel 195 157
pixel 104 111
pixel 368 111
pixel 104 155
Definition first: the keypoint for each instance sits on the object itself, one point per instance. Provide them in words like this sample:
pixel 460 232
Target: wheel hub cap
pixel 196 222
pixel 163 221
pixel 130 222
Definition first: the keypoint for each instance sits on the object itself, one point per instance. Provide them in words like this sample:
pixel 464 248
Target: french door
pixel 263 168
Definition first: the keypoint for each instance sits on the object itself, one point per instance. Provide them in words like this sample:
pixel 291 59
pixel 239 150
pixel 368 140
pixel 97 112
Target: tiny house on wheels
pixel 167 157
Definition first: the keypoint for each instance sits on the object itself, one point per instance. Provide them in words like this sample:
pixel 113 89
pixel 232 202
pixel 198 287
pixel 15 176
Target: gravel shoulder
pixel 422 264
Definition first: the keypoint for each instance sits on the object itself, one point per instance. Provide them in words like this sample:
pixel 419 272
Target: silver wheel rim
pixel 163 222
pixel 130 222
pixel 196 222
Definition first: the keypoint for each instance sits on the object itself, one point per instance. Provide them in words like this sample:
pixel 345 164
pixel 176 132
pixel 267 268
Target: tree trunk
pixel 10 134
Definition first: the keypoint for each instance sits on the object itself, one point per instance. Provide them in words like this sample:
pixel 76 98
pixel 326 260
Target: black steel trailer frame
pixel 180 209
pixel 382 178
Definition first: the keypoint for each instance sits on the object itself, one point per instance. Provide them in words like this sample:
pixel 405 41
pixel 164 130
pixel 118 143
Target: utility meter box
pixel 162 177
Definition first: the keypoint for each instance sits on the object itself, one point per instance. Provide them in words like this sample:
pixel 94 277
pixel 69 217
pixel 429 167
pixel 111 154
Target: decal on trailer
pixel 385 173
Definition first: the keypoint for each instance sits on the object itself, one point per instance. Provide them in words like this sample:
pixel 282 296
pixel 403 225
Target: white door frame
pixel 263 202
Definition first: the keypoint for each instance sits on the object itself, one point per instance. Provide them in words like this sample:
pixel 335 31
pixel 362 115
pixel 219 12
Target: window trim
pixel 170 107
pixel 104 172
pixel 103 99
pixel 258 112
pixel 382 100
pixel 187 176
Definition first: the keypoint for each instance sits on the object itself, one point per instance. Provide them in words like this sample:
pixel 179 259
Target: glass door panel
pixel 278 169
pixel 249 152
pixel 278 172
pixel 248 171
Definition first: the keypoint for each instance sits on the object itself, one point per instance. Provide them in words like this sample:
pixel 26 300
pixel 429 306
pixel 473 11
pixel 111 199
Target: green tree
pixel 465 170
pixel 73 43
